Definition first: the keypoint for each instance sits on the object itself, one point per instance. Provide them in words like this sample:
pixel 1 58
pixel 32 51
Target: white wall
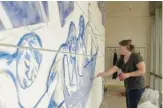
pixel 127 20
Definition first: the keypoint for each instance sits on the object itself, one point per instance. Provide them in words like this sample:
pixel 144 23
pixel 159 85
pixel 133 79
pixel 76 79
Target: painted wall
pixel 49 53
pixel 127 20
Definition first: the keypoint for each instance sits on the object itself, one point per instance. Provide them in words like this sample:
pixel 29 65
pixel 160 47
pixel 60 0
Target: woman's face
pixel 122 49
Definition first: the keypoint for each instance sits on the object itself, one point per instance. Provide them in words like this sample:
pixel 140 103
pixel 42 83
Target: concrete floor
pixel 112 100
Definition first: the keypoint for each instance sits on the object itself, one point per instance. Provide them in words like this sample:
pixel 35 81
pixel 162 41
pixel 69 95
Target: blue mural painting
pixel 26 72
pixel 65 8
pixel 45 5
pixel 27 64
pixel 69 79
pixel 78 98
pixel 77 78
pixel 1 26
pixel 23 13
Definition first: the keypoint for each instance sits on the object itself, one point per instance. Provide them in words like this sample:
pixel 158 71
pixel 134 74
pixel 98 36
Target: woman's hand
pixel 101 74
pixel 124 76
pixel 108 72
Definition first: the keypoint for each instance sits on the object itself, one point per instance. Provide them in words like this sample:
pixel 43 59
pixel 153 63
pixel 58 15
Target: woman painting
pixel 133 68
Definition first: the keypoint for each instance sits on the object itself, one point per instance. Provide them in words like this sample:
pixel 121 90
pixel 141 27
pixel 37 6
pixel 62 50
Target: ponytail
pixel 127 43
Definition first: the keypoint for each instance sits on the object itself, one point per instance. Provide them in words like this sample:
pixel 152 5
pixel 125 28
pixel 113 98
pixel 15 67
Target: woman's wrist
pixel 105 74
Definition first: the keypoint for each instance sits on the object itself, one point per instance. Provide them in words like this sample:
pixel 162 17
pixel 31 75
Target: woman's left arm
pixel 141 70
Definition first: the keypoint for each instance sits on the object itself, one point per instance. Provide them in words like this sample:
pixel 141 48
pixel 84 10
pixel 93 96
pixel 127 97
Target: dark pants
pixel 133 97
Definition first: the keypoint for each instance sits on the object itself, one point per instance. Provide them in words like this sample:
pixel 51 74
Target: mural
pixel 65 8
pixel 68 80
pixel 23 13
pixel 77 80
pixel 27 64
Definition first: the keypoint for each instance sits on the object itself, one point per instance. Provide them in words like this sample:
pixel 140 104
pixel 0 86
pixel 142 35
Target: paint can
pixel 120 73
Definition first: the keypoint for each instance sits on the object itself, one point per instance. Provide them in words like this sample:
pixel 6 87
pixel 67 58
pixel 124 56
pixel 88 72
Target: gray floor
pixel 112 100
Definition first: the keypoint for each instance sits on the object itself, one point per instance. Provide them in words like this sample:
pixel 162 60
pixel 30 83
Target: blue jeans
pixel 133 97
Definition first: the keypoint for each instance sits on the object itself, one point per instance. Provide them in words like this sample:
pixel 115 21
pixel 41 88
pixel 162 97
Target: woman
pixel 133 68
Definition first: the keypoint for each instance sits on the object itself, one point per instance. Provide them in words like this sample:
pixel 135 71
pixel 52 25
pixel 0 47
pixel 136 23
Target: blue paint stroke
pixel 23 13
pixel 81 40
pixel 1 26
pixel 53 104
pixel 45 5
pixel 65 8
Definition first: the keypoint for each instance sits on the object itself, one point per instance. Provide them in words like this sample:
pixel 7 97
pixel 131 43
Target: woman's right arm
pixel 112 70
pixel 108 72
